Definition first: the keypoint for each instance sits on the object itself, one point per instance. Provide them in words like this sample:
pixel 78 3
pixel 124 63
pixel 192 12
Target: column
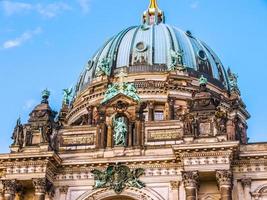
pixel 130 134
pixel 150 111
pixel 90 115
pixel 10 189
pixel 246 183
pixel 224 179
pixel 1 194
pixel 171 108
pixel 191 184
pixel 175 189
pixel 63 192
pixel 40 186
pixel 109 136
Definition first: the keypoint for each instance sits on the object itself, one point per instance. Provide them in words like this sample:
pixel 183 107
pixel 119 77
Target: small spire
pixel 153 15
pixel 45 96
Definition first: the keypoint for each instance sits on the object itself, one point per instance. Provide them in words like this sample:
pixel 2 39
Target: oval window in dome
pixel 141 46
pixel 202 54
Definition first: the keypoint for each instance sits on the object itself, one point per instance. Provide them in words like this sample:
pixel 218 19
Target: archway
pixel 119 198
pixel 127 194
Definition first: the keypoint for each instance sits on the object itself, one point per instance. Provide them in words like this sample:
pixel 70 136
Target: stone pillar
pixel 63 192
pixel 150 111
pixel 171 109
pixel 246 183
pixel 175 190
pixel 40 186
pixel 191 184
pixel 130 134
pixel 90 115
pixel 10 189
pixel 109 136
pixel 224 179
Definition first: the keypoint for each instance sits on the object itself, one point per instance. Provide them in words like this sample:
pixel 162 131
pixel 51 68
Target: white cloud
pixel 21 39
pixel 46 10
pixel 11 8
pixel 194 4
pixel 29 104
pixel 85 5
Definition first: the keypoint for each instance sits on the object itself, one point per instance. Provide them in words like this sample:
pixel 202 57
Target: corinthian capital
pixel 191 179
pixel 9 186
pixel 246 182
pixel 224 178
pixel 40 185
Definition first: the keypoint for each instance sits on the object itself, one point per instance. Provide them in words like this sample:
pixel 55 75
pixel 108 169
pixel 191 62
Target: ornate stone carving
pixel 40 185
pixel 191 179
pixel 118 177
pixel 221 120
pixel 224 178
pixel 10 186
pixel 64 189
pixel 246 182
pixel 174 185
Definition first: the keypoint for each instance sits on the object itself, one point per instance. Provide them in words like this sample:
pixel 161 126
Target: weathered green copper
pixel 127 89
pixel 120 131
pixel 202 80
pixel 176 61
pixel 45 95
pixel 67 95
pixel 117 177
pixel 104 67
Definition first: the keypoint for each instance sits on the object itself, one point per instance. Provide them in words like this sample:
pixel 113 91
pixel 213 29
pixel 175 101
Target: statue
pixel 67 95
pixel 127 89
pixel 176 61
pixel 103 68
pixel 202 80
pixel 17 135
pixel 233 80
pixel 46 132
pixel 120 131
pixel 117 177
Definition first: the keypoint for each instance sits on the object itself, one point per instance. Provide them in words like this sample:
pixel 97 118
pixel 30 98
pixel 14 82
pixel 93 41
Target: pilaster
pixel 191 184
pixel 224 179
pixel 246 183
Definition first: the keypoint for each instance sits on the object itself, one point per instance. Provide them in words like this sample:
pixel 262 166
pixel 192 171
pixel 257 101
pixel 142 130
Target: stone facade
pixel 183 138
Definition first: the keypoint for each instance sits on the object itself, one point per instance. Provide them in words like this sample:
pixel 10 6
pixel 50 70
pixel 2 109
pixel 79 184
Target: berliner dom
pixel 155 115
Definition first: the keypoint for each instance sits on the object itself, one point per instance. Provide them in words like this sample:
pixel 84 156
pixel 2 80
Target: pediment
pixel 120 97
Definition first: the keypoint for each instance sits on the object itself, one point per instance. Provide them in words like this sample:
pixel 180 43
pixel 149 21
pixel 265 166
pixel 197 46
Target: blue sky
pixel 45 44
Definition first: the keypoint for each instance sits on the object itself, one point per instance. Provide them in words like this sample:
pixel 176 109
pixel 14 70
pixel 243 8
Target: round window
pixel 141 46
pixel 202 55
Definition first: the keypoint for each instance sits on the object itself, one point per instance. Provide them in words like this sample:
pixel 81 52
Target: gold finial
pixel 153 4
pixel 153 15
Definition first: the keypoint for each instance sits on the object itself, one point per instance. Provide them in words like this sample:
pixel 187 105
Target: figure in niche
pixel 120 131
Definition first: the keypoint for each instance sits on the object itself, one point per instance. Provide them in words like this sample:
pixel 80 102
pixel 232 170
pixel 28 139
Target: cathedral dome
pixel 155 46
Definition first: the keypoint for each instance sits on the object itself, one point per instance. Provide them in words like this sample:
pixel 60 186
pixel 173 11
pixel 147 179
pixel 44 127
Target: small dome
pixel 150 48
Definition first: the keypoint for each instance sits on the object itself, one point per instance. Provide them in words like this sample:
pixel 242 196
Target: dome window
pixel 141 47
pixel 202 55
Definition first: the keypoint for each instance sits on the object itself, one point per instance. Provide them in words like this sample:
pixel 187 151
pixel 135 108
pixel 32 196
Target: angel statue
pixel 133 178
pixel 176 61
pixel 67 95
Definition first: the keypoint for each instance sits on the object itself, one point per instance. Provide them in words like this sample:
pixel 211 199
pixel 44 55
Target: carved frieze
pixel 78 139
pixel 164 134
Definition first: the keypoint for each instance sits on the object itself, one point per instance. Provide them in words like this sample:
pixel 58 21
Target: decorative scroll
pixel 164 134
pixel 88 139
